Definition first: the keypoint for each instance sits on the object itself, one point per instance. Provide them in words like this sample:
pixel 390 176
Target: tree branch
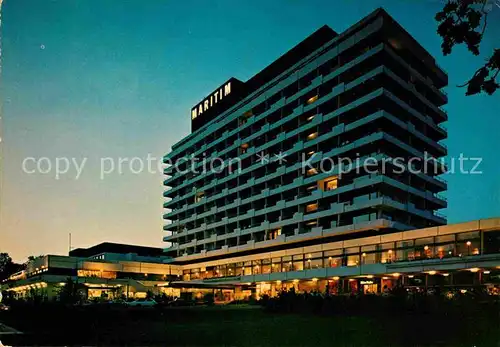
pixel 496 74
pixel 475 74
pixel 485 18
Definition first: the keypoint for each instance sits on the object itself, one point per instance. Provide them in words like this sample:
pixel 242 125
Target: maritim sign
pixel 211 100
pixel 215 103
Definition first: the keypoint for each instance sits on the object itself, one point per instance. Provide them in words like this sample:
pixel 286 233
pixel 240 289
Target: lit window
pixel 273 234
pixel 244 147
pixel 311 172
pixel 310 118
pixel 312 136
pixel 312 99
pixel 311 208
pixel 245 116
pixel 328 183
pixel 199 196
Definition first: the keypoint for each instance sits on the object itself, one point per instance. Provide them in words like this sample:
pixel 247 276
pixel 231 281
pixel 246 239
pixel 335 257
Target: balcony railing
pixel 440 215
pixel 440 196
pixel 442 180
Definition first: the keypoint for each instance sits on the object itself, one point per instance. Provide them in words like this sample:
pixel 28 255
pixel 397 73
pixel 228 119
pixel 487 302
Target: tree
pixel 32 258
pixel 71 292
pixel 464 22
pixel 5 260
pixel 7 266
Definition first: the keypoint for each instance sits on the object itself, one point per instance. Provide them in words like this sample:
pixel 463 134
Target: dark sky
pixel 109 79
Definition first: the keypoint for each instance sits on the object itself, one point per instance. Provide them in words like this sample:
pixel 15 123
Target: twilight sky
pixel 116 79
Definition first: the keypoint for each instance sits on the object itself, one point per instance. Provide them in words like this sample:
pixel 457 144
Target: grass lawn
pixel 235 326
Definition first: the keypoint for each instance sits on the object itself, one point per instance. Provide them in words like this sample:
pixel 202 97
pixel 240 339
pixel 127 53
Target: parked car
pixel 117 302
pixel 4 307
pixel 142 303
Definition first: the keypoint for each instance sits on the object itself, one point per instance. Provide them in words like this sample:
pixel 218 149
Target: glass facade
pixel 459 260
pixel 436 247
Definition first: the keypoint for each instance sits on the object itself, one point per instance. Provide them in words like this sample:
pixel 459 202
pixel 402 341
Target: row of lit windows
pixel 309 137
pixel 325 184
pixel 179 200
pixel 438 247
pixel 335 63
pixel 245 222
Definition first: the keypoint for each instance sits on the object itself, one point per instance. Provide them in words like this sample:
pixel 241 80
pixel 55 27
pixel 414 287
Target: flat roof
pixel 304 48
pixel 120 248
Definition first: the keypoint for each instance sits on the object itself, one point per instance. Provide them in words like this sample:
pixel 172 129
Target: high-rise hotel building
pixel 281 161
pixel 318 173
pixel 371 91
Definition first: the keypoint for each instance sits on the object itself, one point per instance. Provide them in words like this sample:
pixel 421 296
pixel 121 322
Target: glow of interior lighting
pixel 312 136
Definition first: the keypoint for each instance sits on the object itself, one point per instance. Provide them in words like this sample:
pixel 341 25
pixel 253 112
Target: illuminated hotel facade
pixel 457 256
pixel 370 92
pixel 274 216
pixel 281 217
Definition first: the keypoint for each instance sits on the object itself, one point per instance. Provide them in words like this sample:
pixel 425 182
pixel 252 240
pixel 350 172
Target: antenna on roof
pixel 69 246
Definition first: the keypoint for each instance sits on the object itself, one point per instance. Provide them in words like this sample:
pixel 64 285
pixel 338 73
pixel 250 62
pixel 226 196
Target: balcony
pixel 440 215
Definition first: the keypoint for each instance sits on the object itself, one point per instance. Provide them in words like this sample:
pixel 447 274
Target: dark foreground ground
pixel 239 326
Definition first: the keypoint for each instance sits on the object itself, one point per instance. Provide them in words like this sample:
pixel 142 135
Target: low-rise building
pixel 106 270
pixel 456 256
